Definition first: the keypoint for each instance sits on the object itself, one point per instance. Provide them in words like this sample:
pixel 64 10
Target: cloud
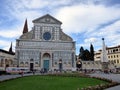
pixel 112 33
pixel 89 19
pixel 10 33
pixel 86 18
pixel 76 18
pixel 90 40
pixel 91 22
pixel 4 43
pixel 34 4
pixel 6 47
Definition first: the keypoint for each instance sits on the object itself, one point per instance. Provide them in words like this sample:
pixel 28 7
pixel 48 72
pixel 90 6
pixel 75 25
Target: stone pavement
pixel 114 88
pixel 114 77
pixel 7 77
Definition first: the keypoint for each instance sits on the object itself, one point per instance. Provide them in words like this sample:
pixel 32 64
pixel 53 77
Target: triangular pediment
pixel 47 19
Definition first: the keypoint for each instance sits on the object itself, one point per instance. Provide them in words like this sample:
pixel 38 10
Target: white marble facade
pixel 45 46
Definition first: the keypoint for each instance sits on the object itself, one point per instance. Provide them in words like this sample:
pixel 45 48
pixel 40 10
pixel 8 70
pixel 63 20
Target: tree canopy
pixel 87 55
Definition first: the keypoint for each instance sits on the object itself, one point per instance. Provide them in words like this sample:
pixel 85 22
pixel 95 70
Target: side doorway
pixel 31 66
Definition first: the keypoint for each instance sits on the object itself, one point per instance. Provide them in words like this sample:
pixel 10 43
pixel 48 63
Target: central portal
pixel 46 61
pixel 46 64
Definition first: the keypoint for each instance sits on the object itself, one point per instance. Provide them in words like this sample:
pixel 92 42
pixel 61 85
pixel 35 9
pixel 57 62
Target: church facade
pixel 45 46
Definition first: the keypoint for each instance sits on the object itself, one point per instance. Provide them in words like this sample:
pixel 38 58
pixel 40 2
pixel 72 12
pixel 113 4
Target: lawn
pixel 49 83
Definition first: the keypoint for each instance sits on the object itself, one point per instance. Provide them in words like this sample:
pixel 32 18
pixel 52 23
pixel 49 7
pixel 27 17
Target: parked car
pixel 13 70
pixel 25 70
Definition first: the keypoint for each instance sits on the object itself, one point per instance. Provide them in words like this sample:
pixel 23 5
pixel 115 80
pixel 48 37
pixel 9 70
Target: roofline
pixel 4 51
pixel 113 47
pixel 44 16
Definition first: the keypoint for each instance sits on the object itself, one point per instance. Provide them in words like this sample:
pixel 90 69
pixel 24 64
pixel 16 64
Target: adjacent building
pixel 113 55
pixel 7 58
pixel 45 46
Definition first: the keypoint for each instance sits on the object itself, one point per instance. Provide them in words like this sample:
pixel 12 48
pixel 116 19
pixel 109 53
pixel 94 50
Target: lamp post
pixel 60 65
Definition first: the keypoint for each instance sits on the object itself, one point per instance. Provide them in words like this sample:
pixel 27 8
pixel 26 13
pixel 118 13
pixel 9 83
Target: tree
pixel 81 49
pixel 81 53
pixel 86 55
pixel 91 52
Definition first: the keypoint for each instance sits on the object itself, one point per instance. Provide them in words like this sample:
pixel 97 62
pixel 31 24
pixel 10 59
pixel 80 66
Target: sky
pixel 86 21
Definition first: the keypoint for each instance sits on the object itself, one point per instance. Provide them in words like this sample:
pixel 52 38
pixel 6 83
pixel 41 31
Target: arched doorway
pixel 60 65
pixel 79 65
pixel 31 64
pixel 46 61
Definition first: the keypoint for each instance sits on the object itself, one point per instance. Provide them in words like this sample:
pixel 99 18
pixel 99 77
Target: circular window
pixel 47 36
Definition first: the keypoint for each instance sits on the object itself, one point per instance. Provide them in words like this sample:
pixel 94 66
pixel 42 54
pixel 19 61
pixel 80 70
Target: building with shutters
pixel 113 55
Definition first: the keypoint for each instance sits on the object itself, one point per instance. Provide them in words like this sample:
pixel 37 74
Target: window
pixel 111 56
pixel 114 61
pixel 117 56
pixel 116 49
pixel 111 51
pixel 114 56
pixel 117 61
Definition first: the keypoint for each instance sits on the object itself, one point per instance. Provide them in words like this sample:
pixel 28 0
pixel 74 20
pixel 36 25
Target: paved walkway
pixel 114 77
pixel 114 88
pixel 7 77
